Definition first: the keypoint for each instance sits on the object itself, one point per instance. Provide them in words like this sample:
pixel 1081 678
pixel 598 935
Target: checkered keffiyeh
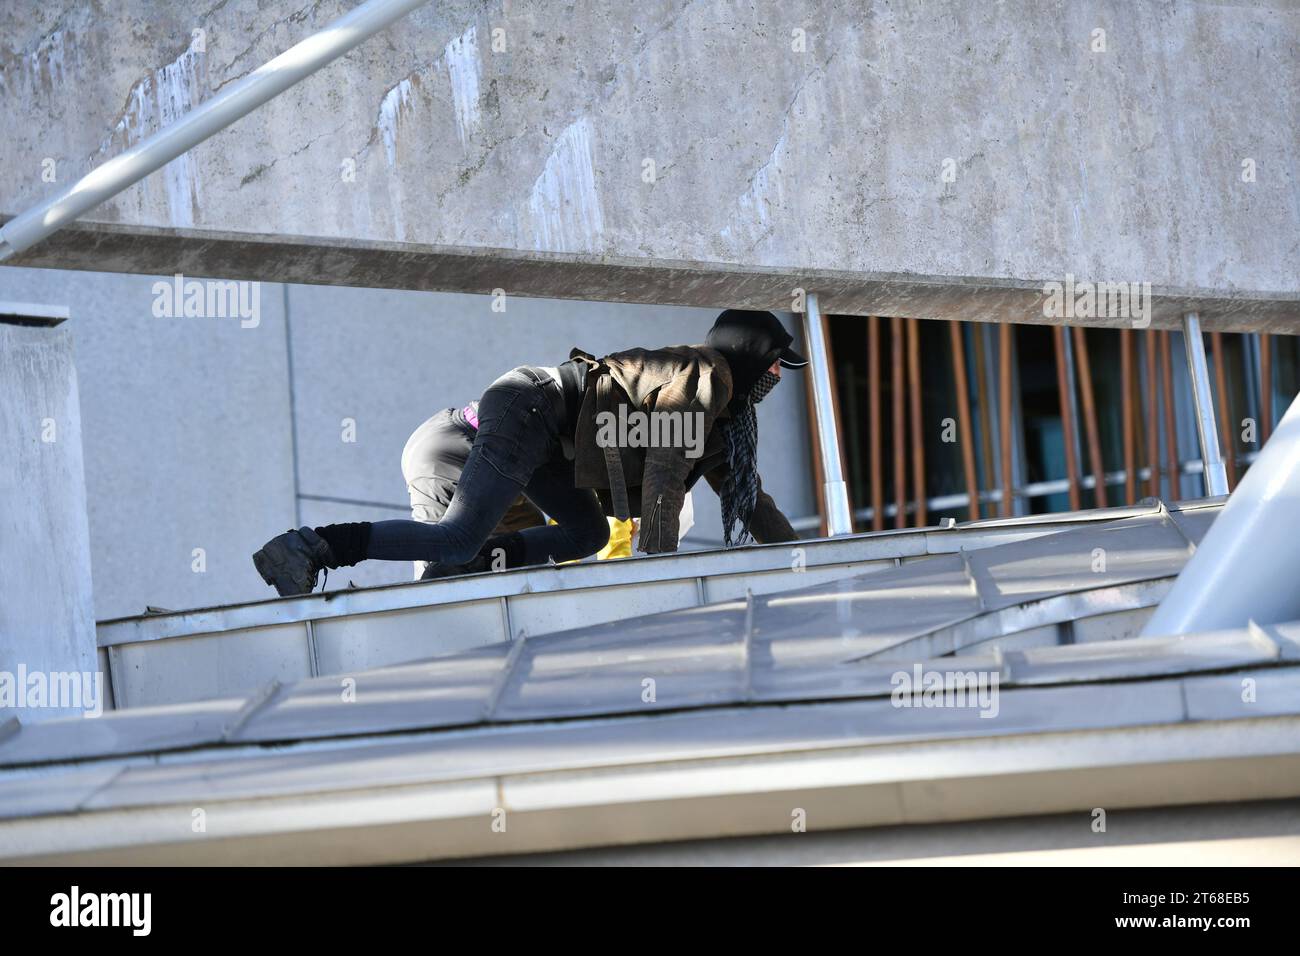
pixel 739 491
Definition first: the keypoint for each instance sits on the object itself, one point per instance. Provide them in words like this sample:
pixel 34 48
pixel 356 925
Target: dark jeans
pixel 517 449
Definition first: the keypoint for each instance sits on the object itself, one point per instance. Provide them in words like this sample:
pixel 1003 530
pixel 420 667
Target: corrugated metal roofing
pixel 571 680
pixel 813 669
pixel 829 641
pixel 228 652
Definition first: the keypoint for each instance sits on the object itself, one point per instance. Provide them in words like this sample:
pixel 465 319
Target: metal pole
pixel 1244 567
pixel 234 102
pixel 839 517
pixel 1216 477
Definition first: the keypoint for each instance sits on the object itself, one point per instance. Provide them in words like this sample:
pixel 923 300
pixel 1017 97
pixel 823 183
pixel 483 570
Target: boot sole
pixel 272 575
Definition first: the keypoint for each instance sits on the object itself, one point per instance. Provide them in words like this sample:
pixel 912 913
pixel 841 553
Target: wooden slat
pixel 1151 422
pixel 1265 387
pixel 967 436
pixel 1139 417
pixel 853 436
pixel 1171 420
pixel 985 400
pixel 1004 414
pixel 1084 369
pixel 918 426
pixel 1225 409
pixel 876 479
pixel 900 425
pixel 1128 414
pixel 1067 416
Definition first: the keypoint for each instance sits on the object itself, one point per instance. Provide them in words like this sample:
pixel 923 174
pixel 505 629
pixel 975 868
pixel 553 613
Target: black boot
pixel 509 547
pixel 435 570
pixel 290 562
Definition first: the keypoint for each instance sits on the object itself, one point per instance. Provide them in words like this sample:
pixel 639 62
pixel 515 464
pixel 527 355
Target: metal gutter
pixel 646 801
pixel 829 703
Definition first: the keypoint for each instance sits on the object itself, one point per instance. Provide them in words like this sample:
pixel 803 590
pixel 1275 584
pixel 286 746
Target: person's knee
pixel 459 548
pixel 594 535
pixel 461 554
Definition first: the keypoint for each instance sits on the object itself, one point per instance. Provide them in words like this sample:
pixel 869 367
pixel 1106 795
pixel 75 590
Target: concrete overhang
pixel 902 158
pixel 403 265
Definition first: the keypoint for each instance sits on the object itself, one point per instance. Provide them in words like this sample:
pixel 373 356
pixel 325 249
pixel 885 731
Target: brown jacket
pixel 689 380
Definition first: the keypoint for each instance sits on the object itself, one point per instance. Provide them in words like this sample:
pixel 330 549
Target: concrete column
pixel 48 659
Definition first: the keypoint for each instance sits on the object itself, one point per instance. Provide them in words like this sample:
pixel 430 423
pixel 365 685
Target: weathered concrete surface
pixel 371 264
pixel 522 168
pixel 47 622
pixel 187 434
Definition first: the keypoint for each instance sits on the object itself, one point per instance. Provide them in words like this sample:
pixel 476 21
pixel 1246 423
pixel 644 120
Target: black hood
pixel 751 342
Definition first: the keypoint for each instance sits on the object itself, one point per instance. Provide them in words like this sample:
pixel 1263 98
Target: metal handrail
pixel 234 102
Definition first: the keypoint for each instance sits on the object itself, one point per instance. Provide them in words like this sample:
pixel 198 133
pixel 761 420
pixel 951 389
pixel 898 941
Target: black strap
pixel 573 382
pixel 613 456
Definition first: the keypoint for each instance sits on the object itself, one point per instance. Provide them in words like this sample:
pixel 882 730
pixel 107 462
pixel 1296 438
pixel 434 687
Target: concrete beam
pixel 389 265
pixel 939 159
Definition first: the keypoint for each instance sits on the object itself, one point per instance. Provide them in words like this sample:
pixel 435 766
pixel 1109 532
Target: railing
pixel 1141 404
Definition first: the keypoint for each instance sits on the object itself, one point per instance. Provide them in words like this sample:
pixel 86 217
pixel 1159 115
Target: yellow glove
pixel 620 540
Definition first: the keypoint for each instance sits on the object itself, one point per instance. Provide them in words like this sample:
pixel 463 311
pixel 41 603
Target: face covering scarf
pixel 739 491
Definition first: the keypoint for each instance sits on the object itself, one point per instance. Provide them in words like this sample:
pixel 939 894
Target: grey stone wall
pixel 859 141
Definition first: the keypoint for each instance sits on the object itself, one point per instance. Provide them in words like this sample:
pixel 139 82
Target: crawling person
pixel 545 432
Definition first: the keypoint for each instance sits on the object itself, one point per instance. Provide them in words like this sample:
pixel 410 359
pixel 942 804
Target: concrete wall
pixel 187 437
pixel 47 625
pixel 792 144
pixel 200 433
